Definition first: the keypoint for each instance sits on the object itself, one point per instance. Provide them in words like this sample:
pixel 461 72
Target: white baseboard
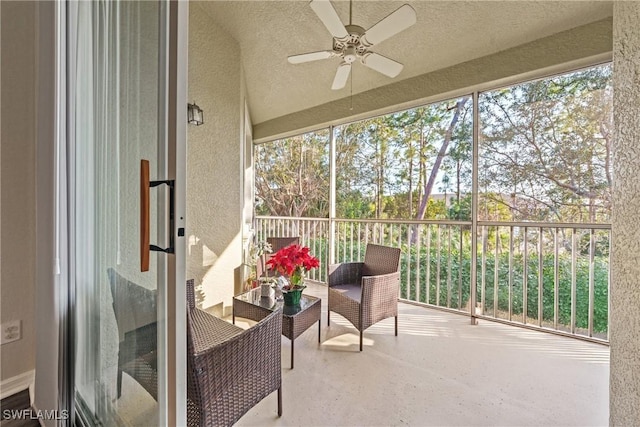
pixel 16 384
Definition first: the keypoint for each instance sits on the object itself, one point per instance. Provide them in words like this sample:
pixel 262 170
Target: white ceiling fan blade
pixel 341 76
pixel 312 56
pixel 382 64
pixel 327 14
pixel 401 19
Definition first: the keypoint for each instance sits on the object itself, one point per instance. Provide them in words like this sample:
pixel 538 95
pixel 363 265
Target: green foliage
pixel 351 205
pixel 461 210
pixel 544 155
pixel 601 273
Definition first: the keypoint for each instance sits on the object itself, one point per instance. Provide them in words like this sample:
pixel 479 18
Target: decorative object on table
pixel 267 285
pixel 293 261
pixel 292 296
pixel 256 262
pixel 281 282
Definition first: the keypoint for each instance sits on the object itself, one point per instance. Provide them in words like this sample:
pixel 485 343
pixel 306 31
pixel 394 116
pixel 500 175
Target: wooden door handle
pixel 144 215
pixel 145 185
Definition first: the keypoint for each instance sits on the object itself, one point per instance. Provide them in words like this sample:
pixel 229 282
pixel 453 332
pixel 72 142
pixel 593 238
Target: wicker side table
pixel 295 320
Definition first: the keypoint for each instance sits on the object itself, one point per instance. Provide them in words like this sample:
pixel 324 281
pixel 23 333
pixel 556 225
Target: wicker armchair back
pixel 276 243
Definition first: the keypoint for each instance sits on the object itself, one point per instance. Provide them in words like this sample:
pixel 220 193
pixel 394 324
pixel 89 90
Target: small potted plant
pixel 293 261
pixel 257 252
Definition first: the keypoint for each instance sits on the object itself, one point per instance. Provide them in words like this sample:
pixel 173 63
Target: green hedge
pixel 458 294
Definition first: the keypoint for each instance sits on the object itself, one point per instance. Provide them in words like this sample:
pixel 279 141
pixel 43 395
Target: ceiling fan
pixel 352 42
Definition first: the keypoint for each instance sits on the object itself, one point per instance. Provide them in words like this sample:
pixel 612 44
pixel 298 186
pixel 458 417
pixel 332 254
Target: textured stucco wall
pixel 625 253
pixel 214 168
pixel 18 195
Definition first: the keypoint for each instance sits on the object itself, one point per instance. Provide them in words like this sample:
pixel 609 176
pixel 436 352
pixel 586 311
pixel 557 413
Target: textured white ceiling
pixel 446 33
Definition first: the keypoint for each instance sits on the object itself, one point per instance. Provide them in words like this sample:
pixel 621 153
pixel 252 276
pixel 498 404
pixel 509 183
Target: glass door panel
pixel 115 60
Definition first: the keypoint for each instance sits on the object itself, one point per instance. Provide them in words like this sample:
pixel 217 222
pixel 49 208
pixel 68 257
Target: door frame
pixel 178 69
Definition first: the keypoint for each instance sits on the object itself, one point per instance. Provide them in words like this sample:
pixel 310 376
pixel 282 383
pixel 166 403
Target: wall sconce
pixel 195 115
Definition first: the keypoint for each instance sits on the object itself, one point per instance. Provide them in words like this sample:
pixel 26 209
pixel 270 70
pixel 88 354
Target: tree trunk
pixel 410 195
pixel 428 187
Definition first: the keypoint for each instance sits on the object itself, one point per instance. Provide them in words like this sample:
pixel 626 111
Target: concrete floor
pixel 440 371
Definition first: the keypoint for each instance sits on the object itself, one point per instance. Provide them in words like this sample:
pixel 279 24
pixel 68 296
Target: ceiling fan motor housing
pixel 351 47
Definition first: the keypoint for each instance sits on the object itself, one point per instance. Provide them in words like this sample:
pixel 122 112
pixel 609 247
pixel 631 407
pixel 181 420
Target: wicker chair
pixel 136 316
pixel 229 369
pixel 276 243
pixel 366 292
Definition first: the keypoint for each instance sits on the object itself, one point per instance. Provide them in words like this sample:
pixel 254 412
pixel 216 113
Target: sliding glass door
pixel 118 108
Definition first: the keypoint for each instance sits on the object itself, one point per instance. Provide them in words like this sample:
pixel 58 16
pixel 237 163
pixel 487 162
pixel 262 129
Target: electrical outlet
pixel 11 331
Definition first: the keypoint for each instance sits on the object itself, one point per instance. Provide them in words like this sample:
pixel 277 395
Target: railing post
pixel 609 287
pixel 332 199
pixel 474 210
pixel 592 290
pixel 574 274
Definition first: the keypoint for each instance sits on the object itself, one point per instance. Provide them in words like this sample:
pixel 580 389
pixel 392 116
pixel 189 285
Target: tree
pixel 547 145
pixel 292 176
pixel 364 162
pixel 446 141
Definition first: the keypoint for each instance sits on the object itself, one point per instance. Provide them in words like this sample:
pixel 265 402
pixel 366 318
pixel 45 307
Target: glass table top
pixel 273 303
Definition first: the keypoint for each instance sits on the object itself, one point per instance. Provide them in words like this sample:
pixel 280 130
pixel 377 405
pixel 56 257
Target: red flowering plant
pixel 293 261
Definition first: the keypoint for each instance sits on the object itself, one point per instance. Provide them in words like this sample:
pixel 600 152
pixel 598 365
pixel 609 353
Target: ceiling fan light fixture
pixel 350 54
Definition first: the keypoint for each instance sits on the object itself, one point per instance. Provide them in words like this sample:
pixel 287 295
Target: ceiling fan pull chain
pixel 351 95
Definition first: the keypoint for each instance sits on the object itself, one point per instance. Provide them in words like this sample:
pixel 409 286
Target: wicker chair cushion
pixel 353 291
pixel 208 330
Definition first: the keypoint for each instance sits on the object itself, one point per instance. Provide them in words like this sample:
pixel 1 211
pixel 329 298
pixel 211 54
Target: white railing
pixel 548 276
